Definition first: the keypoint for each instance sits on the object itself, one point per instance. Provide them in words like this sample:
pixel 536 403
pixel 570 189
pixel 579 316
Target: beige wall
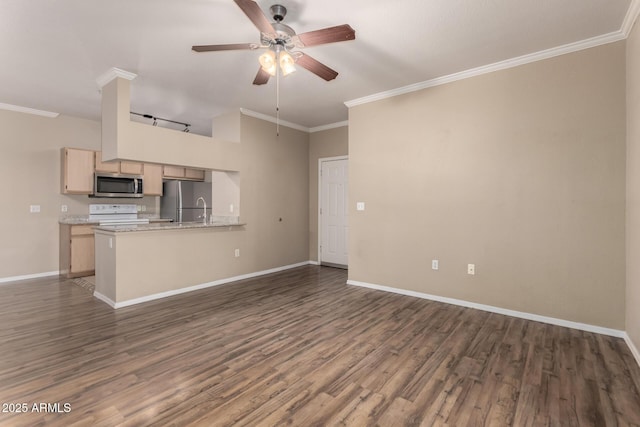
pixel 30 175
pixel 633 186
pixel 274 198
pixel 327 143
pixel 274 184
pixel 521 172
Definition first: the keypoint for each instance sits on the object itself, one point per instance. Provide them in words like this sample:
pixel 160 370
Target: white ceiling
pixel 53 51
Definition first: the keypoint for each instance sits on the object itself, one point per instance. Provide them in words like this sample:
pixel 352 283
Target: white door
pixel 334 224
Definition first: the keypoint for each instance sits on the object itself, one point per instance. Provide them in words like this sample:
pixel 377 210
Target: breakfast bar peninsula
pixel 138 263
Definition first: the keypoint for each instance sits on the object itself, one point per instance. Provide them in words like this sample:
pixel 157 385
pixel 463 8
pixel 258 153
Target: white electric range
pixel 115 214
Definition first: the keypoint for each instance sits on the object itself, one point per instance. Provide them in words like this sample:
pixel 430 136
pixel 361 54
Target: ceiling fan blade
pixel 339 33
pixel 261 78
pixel 317 68
pixel 255 14
pixel 218 47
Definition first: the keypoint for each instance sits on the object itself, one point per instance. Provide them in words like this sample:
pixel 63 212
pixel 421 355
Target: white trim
pixel 104 298
pixel 28 110
pixel 166 294
pixel 314 263
pixel 292 125
pixel 111 74
pixel 271 119
pixel 485 69
pixel 29 276
pixel 498 310
pixel 329 126
pixel 632 347
pixel 630 17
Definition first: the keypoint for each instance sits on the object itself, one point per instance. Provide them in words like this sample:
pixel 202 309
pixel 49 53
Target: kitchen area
pixel 130 197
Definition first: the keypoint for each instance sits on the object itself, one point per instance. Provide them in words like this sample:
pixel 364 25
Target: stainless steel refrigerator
pixel 179 200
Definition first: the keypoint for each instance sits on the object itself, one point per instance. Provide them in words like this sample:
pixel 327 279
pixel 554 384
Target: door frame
pixel 322 160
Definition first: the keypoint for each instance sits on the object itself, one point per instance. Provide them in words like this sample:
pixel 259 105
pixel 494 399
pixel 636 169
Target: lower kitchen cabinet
pixel 77 250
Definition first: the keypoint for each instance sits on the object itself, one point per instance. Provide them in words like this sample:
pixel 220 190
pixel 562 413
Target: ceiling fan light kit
pixel 275 56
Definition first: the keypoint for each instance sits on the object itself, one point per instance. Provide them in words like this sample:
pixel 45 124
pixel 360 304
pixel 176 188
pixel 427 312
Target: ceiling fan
pixel 280 40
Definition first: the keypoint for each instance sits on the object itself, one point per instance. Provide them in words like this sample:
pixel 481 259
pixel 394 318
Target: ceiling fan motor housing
pixel 278 12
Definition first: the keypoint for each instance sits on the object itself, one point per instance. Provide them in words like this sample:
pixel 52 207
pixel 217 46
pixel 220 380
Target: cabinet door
pixel 195 174
pixel 152 181
pixel 82 254
pixel 133 168
pixel 82 257
pixel 109 167
pixel 173 171
pixel 77 171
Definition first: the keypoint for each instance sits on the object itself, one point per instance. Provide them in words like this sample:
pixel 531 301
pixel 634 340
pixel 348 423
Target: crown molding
pixel 272 119
pixel 329 126
pixel 292 125
pixel 28 110
pixel 630 18
pixel 497 66
pixel 111 74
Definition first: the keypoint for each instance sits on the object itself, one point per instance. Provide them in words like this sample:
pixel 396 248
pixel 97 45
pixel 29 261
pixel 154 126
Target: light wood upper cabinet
pixel 172 171
pixel 79 166
pixel 77 171
pixel 196 174
pixel 115 166
pixel 179 172
pixel 152 180
pixel 131 168
pixel 109 167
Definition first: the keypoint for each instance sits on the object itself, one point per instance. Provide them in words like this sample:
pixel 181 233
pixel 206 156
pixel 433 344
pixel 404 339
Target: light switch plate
pixel 360 206
pixel 34 208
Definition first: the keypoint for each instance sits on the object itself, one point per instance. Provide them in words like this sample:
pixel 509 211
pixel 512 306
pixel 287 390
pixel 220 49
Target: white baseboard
pixel 314 263
pixel 166 294
pixel 104 298
pixel 29 276
pixel 632 347
pixel 498 310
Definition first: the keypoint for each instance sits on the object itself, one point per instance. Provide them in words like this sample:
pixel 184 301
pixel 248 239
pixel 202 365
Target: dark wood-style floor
pixel 299 348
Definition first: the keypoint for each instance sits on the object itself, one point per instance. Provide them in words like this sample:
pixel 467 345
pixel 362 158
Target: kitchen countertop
pixel 166 226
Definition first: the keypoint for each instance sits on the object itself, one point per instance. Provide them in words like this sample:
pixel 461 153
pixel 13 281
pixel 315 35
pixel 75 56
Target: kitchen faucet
pixel 204 214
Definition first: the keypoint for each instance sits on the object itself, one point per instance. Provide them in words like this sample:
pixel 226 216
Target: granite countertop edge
pixel 166 226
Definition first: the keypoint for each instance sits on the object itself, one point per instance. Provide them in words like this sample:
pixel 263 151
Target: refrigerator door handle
pixel 180 201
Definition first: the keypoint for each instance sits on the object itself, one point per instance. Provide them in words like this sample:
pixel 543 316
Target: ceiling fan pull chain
pixel 277 101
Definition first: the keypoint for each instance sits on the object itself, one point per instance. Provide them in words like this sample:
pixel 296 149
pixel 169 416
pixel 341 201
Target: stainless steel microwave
pixel 117 185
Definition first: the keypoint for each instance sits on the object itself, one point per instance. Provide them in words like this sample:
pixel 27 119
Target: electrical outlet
pixel 34 208
pixel 64 208
pixel 434 264
pixel 231 208
pixel 237 253
pixel 471 269
pixel 360 206
pixel 144 208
